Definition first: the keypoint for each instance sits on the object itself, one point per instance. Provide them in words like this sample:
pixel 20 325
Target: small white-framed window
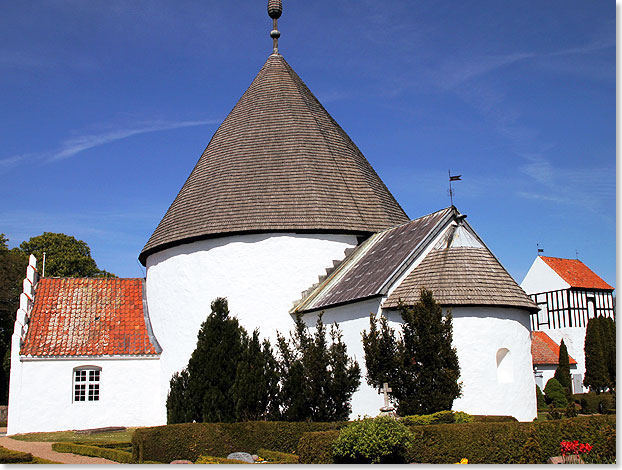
pixel 86 383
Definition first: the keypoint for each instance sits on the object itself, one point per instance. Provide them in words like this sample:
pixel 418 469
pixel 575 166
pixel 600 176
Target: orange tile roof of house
pixel 575 273
pixel 88 317
pixel 544 350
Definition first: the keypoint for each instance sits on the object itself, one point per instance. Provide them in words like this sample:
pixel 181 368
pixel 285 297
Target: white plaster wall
pixel 42 395
pixel 548 371
pixel 542 278
pixel 479 332
pixel 574 339
pixel 260 274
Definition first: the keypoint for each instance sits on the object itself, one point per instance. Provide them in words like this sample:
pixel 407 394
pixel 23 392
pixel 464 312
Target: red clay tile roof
pixel 544 350
pixel 87 317
pixel 278 162
pixel 575 273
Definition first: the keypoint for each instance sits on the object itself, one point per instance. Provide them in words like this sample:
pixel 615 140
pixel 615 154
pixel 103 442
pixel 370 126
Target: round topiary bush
pixel 373 440
pixel 555 393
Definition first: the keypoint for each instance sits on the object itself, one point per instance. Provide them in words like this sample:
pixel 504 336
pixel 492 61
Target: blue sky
pixel 107 105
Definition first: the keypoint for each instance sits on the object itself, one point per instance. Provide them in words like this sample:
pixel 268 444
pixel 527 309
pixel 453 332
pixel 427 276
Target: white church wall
pixel 480 333
pixel 545 372
pixel 261 275
pixel 42 395
pixel 541 278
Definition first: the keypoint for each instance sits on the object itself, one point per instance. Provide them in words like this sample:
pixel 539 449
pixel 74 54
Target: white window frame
pixel 86 381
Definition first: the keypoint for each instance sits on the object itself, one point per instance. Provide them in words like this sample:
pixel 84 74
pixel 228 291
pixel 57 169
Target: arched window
pixel 86 383
pixel 505 369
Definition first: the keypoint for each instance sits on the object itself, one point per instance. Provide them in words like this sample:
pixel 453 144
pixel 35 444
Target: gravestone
pixel 241 456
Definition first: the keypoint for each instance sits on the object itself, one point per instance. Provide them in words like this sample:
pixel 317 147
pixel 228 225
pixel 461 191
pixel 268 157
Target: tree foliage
pixel 318 379
pixel 229 377
pixel 600 350
pixel 421 365
pixel 562 373
pixel 65 256
pixel 555 393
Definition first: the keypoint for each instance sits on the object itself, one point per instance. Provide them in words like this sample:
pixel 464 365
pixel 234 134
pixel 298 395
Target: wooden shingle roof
pixel 575 273
pixel 88 317
pixel 278 162
pixel 461 275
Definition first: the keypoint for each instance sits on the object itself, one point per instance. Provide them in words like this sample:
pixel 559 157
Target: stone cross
pixel 387 409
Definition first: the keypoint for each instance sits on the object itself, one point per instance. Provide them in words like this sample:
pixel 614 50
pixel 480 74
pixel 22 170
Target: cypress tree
pixel 421 366
pixel 317 379
pixel 608 334
pixel 596 373
pixel 177 410
pixel 562 373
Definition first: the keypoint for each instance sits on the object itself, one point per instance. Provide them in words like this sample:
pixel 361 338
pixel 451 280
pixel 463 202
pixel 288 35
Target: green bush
pixel 14 456
pixel 188 441
pixel 373 440
pixel 93 451
pixel 493 419
pixel 440 417
pixel 540 400
pixel 555 394
pixel 273 456
pixel 317 447
pixel 589 402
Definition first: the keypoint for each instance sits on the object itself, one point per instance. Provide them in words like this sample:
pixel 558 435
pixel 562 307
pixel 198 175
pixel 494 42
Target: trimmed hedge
pixel 272 456
pixel 440 417
pixel 188 441
pixel 93 451
pixel 494 419
pixel 589 402
pixel 317 447
pixel 14 456
pixel 488 443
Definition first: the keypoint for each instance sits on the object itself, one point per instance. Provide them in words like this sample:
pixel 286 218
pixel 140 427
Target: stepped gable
pixel 89 317
pixel 461 275
pixel 278 162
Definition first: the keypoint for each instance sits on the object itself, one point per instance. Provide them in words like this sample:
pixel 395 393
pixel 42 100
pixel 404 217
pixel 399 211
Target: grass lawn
pixel 71 436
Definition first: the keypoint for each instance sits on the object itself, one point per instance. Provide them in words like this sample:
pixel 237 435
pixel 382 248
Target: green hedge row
pixel 273 456
pixel 14 456
pixel 589 402
pixel 488 443
pixel 93 451
pixel 190 440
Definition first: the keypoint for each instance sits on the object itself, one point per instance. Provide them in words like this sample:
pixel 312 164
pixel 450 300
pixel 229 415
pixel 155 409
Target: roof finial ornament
pixel 275 8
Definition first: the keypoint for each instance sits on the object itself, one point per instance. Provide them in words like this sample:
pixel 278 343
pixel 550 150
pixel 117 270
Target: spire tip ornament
pixel 275 8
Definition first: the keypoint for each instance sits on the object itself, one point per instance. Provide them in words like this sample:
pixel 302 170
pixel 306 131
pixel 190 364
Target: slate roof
pixel 461 275
pixel 278 162
pixel 365 272
pixel 544 350
pixel 575 273
pixel 88 317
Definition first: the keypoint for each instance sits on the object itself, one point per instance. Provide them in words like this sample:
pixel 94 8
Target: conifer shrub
pixel 373 440
pixel 562 372
pixel 540 400
pixel 555 394
pixel 600 354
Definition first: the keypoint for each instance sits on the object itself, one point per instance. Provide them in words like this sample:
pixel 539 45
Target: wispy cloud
pixel 76 145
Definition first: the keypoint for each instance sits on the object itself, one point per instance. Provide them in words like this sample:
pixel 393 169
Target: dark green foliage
pixel 14 456
pixel 592 402
pixel 562 373
pixel 420 366
pixel 256 386
pixel 540 400
pixel 571 410
pixel 93 451
pixel 13 265
pixel 190 440
pixel 317 379
pixel 555 413
pixel 317 447
pixel 531 453
pixel 555 394
pixel 177 400
pixel 274 456
pixel 373 440
pixel 65 256
pixel 600 361
pixel 494 419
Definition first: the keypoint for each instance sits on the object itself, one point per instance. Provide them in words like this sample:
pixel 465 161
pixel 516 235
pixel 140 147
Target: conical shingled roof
pixel 278 162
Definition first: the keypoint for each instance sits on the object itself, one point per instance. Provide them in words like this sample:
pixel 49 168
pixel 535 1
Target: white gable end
pixel 542 278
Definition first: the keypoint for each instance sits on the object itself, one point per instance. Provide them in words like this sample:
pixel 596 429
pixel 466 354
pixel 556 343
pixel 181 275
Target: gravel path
pixel 44 450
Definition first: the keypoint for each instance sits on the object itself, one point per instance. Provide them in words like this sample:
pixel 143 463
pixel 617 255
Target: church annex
pixel 281 214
